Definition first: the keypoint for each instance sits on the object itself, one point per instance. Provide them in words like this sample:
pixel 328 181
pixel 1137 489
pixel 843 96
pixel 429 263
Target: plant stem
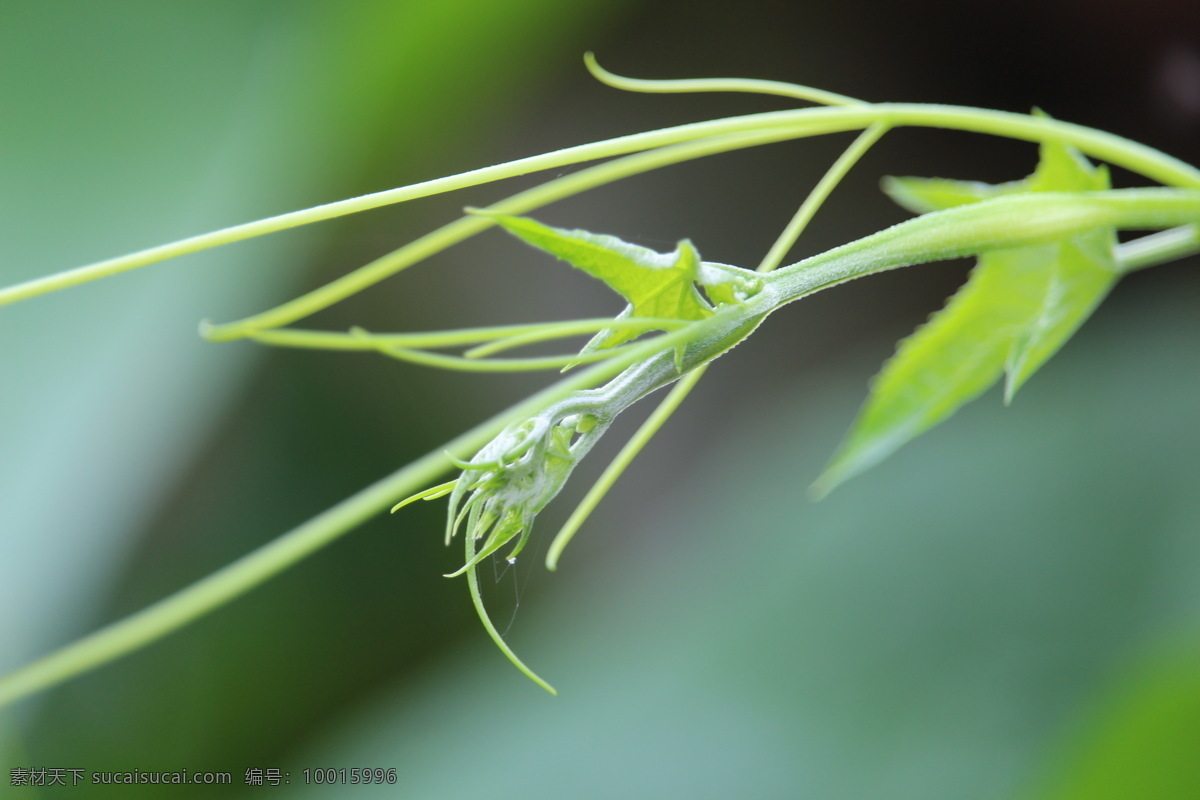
pixel 464 364
pixel 629 452
pixel 461 229
pixel 177 610
pixel 741 85
pixel 1014 220
pixel 820 193
pixel 1158 248
pixel 488 625
pixel 500 337
pixel 792 124
pixel 209 593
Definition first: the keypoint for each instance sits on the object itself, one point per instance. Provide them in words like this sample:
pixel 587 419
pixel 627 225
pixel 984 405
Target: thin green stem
pixel 177 610
pixel 360 339
pixel 618 465
pixel 489 626
pixel 472 224
pixel 1158 248
pixel 798 123
pixel 641 324
pixel 463 364
pixel 805 122
pixel 820 193
pixel 205 595
pixel 689 85
pixel 567 156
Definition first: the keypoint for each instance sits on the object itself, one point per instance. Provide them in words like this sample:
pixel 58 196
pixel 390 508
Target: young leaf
pixel 725 284
pixel 1016 310
pixel 657 285
pixel 949 361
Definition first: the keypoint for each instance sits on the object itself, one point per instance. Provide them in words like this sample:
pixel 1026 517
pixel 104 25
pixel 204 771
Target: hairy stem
pixel 623 459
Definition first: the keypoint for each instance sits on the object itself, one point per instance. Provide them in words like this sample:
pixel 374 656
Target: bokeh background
pixel 1005 609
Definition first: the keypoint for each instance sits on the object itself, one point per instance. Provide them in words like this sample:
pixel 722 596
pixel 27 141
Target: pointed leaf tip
pixel 1016 310
pixel 657 285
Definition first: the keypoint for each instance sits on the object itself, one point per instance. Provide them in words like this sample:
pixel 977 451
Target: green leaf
pixel 1070 285
pixel 1019 306
pixel 949 361
pixel 1073 280
pixel 657 285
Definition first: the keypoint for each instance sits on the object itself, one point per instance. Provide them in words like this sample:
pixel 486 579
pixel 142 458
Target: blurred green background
pixel 1006 609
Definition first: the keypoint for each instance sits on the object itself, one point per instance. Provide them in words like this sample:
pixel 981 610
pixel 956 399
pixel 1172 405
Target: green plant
pixel 1048 253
